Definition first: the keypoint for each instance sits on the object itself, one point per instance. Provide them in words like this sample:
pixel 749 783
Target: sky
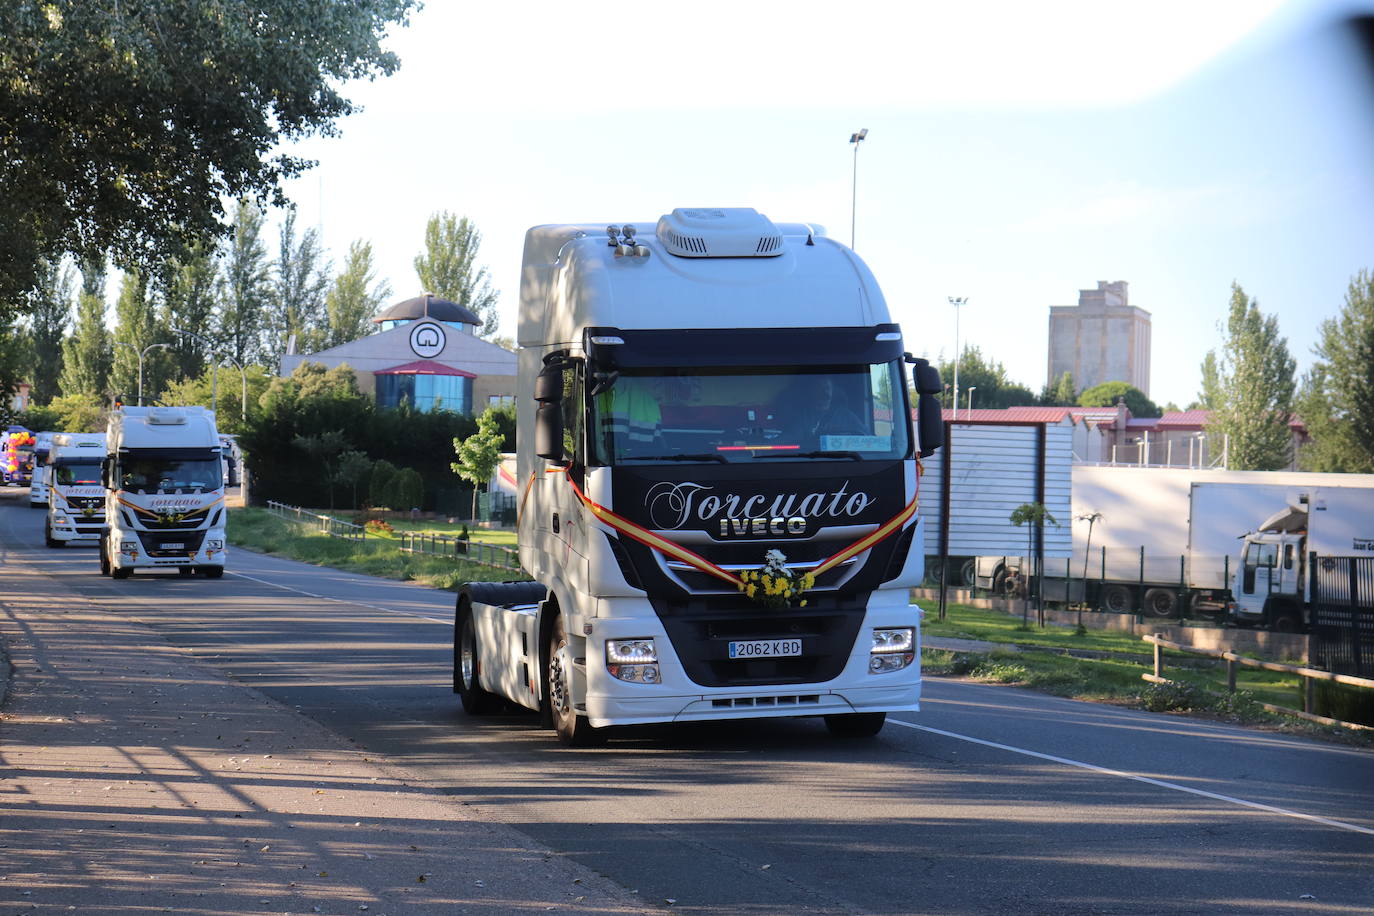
pixel 1016 153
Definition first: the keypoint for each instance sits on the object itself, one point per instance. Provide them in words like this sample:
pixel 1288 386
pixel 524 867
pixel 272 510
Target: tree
pixel 995 387
pixel 1337 398
pixel 448 268
pixel 479 454
pixel 1254 388
pixel 1209 396
pixel 190 291
pixel 86 354
pixel 324 451
pixel 222 392
pixel 1033 516
pixel 351 468
pixel 50 312
pixel 240 321
pixel 1062 393
pixel 136 328
pixel 353 298
pixel 125 124
pixel 297 293
pixel 1108 393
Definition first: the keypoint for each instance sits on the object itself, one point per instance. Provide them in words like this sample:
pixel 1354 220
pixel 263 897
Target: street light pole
pixel 956 301
pixel 141 355
pixel 243 378
pixel 855 139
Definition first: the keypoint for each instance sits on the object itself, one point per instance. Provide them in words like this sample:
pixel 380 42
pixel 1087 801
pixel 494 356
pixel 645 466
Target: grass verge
pixel 1051 660
pixel 260 530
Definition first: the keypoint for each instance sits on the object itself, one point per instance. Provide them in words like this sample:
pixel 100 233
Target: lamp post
pixel 243 379
pixel 956 301
pixel 141 355
pixel 855 139
pixel 971 389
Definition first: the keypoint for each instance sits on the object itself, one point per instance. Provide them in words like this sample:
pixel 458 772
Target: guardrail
pixel 325 524
pixel 1310 677
pixel 443 545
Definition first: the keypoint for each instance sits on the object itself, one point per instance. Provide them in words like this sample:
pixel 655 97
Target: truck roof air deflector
pixel 719 232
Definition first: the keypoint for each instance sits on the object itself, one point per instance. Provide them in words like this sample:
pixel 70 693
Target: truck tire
pixel 48 538
pixel 117 572
pixel 856 724
pixel 104 556
pixel 213 572
pixel 1118 598
pixel 1287 620
pixel 476 701
pixel 968 575
pixel 1161 602
pixel 572 730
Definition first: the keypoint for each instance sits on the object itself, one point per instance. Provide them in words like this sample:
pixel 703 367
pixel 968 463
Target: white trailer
pixel 1272 585
pixel 722 400
pixel 163 480
pixel 76 500
pixel 1164 541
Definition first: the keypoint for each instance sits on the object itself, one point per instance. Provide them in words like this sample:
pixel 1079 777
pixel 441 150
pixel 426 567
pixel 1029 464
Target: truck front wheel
pixel 104 556
pixel 573 730
pixel 466 659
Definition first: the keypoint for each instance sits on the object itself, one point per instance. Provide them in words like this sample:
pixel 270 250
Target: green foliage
pixel 296 293
pixel 41 419
pixel 78 413
pixel 448 268
pixel 136 330
pixel 189 286
pixel 86 353
pixel 350 469
pixel 480 453
pixel 50 313
pixel 1337 398
pixel 1254 389
pixel 1341 701
pixel 316 401
pixel 1063 393
pixel 406 490
pixel 1108 393
pixel 378 487
pixel 995 389
pixel 239 322
pixel 125 125
pixel 221 389
pixel 354 297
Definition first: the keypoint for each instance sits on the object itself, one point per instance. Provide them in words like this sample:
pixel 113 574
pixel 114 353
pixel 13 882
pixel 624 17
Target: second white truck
pixel 75 498
pixel 163 478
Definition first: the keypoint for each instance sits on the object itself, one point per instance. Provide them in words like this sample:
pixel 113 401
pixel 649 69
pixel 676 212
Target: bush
pixel 1172 697
pixel 378 485
pixel 406 490
pixel 1344 702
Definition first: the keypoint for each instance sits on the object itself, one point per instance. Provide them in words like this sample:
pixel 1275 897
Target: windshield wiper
pixel 854 456
pixel 701 457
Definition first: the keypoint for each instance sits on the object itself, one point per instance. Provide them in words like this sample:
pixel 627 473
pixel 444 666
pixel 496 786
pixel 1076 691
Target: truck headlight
pixel 893 649
pixel 214 544
pixel 633 660
pixel 60 519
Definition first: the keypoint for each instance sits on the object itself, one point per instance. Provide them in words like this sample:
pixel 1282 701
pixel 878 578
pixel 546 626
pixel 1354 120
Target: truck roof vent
pixel 166 416
pixel 721 232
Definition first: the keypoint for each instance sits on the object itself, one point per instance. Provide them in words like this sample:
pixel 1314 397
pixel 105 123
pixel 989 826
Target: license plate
pixel 765 648
pixel 173 546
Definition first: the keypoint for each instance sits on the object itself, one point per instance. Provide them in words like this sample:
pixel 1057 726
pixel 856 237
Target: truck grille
pixel 155 543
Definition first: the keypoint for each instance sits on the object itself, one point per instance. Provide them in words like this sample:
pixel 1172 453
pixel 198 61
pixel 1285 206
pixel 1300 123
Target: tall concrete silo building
pixel 1101 339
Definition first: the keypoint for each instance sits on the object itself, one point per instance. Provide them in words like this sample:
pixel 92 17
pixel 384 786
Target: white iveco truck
pixel 76 500
pixel 164 492
pixel 718 485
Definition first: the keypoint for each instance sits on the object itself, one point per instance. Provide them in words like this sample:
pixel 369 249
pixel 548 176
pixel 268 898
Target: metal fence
pixel 443 545
pixel 1342 622
pixel 325 524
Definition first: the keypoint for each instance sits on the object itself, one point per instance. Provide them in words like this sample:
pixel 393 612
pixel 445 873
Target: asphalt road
pixel 990 800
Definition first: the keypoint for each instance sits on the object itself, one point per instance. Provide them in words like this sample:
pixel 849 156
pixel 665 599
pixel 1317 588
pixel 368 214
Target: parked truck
pixel 717 485
pixel 163 480
pixel 76 500
pixel 1164 541
pixel 1272 585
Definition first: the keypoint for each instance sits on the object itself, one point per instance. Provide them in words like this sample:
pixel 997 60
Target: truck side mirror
pixel 105 473
pixel 548 431
pixel 548 384
pixel 930 424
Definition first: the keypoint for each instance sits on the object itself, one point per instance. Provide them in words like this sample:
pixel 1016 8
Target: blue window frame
pixel 426 392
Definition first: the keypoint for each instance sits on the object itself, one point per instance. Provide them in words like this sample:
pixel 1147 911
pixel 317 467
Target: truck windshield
pixel 754 415
pixel 82 474
pixel 168 475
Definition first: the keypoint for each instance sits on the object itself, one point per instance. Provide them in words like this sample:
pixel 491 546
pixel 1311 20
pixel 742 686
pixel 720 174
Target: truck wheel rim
pixel 558 690
pixel 467 660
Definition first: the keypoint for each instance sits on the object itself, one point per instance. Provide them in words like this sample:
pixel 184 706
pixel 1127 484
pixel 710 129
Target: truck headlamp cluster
pixel 633 660
pixel 893 649
pixel 129 547
pixel 59 519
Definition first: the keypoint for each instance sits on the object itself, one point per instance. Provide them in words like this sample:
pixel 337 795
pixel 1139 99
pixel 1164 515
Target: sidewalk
pixel 134 780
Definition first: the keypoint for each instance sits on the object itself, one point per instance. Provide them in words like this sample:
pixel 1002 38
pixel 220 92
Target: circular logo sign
pixel 427 339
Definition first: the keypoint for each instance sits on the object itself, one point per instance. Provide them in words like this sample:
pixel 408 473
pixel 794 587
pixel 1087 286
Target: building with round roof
pixel 432 307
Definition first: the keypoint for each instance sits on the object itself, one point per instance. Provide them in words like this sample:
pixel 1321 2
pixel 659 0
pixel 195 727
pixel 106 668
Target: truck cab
pixel 718 479
pixel 1270 587
pixel 76 499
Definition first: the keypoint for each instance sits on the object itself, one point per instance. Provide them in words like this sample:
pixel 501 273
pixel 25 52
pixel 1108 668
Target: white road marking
pixel 375 607
pixel 1258 806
